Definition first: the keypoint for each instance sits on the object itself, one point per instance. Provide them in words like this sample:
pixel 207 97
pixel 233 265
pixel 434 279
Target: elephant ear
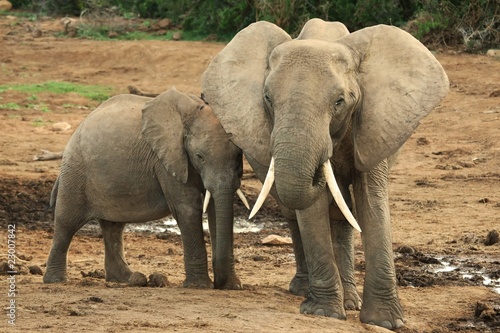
pixel 163 129
pixel 326 31
pixel 401 82
pixel 233 86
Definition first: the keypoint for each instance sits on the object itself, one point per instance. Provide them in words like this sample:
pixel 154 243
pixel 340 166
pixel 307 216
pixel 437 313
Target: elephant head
pixel 328 97
pixel 295 100
pixel 185 135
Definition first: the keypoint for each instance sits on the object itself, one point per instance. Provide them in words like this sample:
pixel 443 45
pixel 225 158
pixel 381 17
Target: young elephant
pixel 137 159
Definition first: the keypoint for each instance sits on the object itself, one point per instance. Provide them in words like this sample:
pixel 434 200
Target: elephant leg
pixel 381 304
pixel 65 227
pixel 342 234
pixel 116 267
pixel 325 295
pixel 189 220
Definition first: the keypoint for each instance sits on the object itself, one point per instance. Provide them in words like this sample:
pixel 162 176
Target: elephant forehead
pixel 311 54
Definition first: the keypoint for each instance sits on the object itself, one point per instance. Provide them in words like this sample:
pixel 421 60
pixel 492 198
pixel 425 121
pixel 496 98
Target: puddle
pixel 467 269
pixel 169 224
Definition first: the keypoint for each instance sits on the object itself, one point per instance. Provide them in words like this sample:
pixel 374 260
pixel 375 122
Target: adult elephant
pixel 328 98
pixel 138 159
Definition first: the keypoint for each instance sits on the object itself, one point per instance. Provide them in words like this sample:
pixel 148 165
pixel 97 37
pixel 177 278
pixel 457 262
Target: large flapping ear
pixel 401 82
pixel 233 86
pixel 327 31
pixel 163 129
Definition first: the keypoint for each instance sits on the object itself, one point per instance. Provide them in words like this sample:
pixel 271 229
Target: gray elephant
pixel 137 159
pixel 330 109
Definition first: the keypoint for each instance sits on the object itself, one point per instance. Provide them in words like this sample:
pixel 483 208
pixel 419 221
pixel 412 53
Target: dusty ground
pixel 445 198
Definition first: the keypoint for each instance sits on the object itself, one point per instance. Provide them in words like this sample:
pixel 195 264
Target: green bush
pixel 473 23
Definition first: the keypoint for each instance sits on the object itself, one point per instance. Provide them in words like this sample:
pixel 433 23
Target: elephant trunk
pixel 223 257
pixel 299 157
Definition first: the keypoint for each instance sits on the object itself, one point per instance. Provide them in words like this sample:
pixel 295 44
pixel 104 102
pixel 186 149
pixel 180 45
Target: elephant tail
pixel 53 194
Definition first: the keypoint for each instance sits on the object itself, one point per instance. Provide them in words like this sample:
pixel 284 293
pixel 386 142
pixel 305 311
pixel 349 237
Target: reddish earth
pixel 445 199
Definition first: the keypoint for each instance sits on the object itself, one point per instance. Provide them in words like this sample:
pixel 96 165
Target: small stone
pixel 165 24
pixel 95 299
pixel 158 280
pixel 276 240
pixel 137 279
pixel 177 36
pixel 493 53
pixel 481 308
pixel 405 249
pixel 61 127
pixel 422 141
pixel 97 274
pixel 495 93
pixel 36 270
pixel 493 237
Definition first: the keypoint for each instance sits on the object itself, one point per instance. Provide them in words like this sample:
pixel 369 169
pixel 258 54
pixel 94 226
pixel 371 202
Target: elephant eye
pixel 339 101
pixel 268 99
pixel 200 157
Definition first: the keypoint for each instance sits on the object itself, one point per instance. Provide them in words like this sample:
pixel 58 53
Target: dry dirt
pixel 445 199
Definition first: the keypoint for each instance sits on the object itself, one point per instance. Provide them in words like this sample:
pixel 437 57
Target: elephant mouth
pixel 239 192
pixel 319 179
pixel 323 175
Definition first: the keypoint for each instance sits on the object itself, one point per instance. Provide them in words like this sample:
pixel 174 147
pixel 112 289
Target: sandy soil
pixel 445 199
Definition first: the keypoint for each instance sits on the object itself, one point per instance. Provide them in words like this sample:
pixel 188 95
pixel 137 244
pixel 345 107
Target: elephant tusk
pixel 337 195
pixel 264 192
pixel 242 197
pixel 207 200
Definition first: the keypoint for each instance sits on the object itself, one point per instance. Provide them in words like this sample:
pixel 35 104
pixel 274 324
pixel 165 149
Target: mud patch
pixel 25 202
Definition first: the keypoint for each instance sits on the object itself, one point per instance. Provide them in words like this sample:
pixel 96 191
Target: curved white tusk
pixel 337 195
pixel 264 192
pixel 242 197
pixel 206 201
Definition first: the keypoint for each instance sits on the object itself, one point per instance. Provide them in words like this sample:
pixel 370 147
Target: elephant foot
pixel 322 308
pixel 299 285
pixel 54 277
pixel 232 283
pixel 387 314
pixel 197 282
pixel 352 301
pixel 121 275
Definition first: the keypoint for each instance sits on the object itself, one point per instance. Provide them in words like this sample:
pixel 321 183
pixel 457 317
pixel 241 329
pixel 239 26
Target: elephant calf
pixel 137 159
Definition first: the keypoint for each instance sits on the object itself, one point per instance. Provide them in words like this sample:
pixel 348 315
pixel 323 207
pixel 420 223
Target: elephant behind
pixel 138 159
pixel 329 109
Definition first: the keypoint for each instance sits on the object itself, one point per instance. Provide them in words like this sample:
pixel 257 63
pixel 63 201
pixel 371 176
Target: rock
pixel 70 26
pixel 5 5
pixel 158 280
pixel 95 299
pixel 276 240
pixel 495 93
pixel 485 311
pixel 422 141
pixel 493 53
pixel 493 237
pixel 177 36
pixel 137 279
pixel 165 24
pixel 405 249
pixel 97 274
pixel 36 270
pixel 61 126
